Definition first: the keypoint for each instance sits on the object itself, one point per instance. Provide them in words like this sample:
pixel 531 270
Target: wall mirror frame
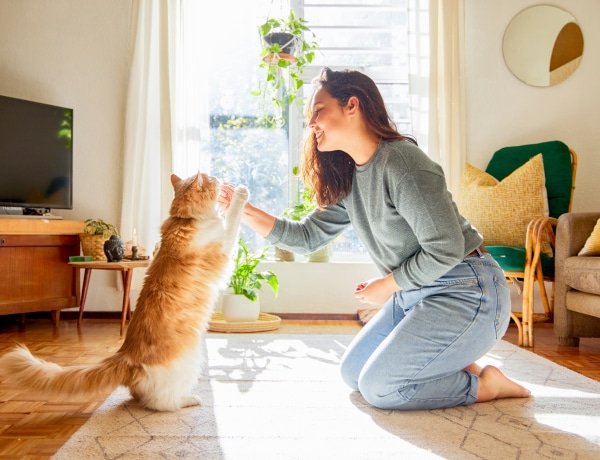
pixel 543 45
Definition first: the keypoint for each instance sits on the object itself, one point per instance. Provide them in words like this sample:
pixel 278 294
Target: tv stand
pixel 44 217
pixel 11 212
pixel 34 256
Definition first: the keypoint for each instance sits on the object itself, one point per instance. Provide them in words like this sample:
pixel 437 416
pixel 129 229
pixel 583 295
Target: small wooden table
pixel 126 268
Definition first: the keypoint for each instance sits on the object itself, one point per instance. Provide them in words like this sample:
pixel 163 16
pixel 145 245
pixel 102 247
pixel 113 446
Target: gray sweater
pixel 402 212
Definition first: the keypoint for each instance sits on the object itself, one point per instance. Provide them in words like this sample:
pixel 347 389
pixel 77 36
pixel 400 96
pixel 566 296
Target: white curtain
pixel 436 82
pixel 166 114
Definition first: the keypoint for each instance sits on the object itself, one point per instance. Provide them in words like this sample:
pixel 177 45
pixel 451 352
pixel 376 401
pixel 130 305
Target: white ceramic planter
pixel 321 255
pixel 239 308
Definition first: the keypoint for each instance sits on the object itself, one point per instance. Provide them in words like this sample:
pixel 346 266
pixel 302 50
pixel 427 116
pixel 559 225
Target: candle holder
pixel 134 252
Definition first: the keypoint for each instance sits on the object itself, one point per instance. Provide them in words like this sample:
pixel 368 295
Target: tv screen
pixel 36 155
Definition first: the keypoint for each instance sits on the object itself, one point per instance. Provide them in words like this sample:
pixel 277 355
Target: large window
pixel 367 35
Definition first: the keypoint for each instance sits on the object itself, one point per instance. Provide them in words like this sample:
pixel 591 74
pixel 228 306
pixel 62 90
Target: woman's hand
pixel 225 195
pixel 376 291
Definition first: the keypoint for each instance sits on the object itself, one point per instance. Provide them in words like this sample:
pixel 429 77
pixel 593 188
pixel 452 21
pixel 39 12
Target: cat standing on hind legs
pixel 160 358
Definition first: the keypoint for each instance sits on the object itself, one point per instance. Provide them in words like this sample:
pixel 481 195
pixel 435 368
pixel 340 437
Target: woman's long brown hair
pixel 329 174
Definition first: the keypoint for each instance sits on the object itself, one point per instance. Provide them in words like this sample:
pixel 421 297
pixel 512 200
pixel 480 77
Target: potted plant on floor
pixel 95 233
pixel 288 47
pixel 240 302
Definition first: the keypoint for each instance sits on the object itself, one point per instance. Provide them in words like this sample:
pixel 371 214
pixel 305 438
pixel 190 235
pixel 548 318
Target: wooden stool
pixel 125 266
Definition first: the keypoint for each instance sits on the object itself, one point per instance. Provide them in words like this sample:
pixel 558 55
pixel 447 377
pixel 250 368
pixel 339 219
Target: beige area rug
pixel 272 396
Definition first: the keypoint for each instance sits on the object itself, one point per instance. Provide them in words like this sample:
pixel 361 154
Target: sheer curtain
pixel 166 114
pixel 436 82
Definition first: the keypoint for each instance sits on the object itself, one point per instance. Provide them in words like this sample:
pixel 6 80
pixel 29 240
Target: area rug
pixel 274 396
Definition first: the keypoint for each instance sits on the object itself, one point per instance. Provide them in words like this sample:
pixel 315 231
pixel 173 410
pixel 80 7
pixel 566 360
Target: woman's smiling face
pixel 328 121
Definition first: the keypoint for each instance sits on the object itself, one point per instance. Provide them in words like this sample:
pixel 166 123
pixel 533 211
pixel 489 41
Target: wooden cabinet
pixel 35 274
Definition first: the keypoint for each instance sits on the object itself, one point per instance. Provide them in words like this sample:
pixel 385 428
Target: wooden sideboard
pixel 35 274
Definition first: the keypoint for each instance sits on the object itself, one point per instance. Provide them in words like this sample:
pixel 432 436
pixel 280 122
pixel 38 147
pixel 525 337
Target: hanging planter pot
pixel 288 46
pixel 286 43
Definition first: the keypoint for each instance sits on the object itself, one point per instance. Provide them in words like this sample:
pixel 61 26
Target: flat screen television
pixel 36 156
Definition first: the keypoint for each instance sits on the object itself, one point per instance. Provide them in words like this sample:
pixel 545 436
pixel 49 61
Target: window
pixel 367 35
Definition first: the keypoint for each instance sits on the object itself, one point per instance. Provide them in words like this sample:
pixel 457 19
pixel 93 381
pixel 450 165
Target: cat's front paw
pixel 241 194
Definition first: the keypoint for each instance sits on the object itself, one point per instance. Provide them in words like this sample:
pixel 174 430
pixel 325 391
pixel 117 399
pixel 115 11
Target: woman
pixel 446 301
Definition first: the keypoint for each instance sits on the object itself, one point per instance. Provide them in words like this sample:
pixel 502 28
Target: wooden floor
pixel 34 428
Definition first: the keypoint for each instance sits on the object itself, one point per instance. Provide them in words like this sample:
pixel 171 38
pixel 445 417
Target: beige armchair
pixel 577 280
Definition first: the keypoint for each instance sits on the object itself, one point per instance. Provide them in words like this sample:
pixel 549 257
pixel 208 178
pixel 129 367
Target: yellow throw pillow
pixel 592 245
pixel 502 210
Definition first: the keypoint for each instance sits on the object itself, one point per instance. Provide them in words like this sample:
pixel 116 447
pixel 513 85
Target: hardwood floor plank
pixel 34 428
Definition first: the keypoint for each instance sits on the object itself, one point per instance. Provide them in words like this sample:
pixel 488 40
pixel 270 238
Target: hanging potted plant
pixel 240 302
pixel 288 46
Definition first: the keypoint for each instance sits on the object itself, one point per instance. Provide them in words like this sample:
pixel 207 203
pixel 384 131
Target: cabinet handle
pixel 2 241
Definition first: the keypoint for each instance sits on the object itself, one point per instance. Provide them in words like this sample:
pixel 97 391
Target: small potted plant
pixel 241 302
pixel 288 47
pixel 95 233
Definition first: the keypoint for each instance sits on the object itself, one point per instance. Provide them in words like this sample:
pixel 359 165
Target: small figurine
pixel 114 249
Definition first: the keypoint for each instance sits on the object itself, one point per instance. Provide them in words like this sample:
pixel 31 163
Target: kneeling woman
pixel 446 300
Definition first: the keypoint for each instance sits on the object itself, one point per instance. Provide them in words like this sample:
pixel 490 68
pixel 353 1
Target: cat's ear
pixel 175 180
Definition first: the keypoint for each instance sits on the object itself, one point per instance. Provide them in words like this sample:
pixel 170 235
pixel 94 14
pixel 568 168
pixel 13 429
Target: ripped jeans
pixel 411 354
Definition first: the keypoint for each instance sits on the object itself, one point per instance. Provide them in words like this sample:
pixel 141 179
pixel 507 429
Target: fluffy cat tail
pixel 19 367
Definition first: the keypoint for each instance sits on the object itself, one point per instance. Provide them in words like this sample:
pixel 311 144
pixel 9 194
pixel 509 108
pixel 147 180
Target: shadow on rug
pixel 273 396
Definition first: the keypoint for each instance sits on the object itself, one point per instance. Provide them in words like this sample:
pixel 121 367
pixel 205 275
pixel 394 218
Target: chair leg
pixel 519 328
pixel 543 293
pixel 527 307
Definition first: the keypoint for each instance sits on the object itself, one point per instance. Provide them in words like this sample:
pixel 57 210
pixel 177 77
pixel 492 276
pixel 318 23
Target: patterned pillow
pixel 592 245
pixel 502 210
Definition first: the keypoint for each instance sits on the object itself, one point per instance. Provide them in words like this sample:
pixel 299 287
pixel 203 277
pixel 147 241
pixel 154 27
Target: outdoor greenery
pixel 304 206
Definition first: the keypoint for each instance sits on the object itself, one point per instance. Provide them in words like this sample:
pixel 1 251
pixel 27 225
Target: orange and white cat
pixel 160 358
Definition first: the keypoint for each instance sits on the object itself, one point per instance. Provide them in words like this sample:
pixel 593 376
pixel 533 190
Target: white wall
pixel 75 53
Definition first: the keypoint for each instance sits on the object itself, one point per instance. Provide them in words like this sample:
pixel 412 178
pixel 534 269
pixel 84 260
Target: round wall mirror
pixel 543 45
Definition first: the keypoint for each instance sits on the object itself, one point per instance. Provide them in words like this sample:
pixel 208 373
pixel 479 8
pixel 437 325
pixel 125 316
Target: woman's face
pixel 329 122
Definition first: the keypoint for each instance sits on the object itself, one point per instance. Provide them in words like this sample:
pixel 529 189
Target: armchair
pixel 577 307
pixel 522 189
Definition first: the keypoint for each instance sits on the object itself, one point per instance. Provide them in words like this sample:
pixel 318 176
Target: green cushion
pixel 557 169
pixel 513 259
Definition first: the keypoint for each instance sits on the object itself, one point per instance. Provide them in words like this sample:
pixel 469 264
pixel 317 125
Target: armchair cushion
pixel 592 244
pixel 557 160
pixel 583 274
pixel 502 210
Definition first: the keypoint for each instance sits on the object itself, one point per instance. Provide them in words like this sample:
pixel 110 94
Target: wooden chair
pixel 525 266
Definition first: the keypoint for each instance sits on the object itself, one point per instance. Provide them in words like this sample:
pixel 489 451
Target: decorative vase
pixel 236 307
pixel 114 249
pixel 321 255
pixel 283 255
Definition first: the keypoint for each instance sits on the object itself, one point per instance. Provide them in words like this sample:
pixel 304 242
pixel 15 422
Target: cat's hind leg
pixel 169 387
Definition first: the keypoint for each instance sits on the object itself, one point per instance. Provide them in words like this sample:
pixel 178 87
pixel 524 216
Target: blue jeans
pixel 411 354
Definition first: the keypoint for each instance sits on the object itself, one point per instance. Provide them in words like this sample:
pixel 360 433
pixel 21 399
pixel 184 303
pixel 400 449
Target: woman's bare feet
pixel 493 384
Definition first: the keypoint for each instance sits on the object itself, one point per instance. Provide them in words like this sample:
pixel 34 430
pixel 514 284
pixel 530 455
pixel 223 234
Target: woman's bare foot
pixel 493 384
pixel 473 369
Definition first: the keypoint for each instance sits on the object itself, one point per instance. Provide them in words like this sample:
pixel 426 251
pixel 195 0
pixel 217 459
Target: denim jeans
pixel 411 355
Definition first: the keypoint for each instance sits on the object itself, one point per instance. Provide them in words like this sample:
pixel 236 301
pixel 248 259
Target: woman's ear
pixel 352 105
